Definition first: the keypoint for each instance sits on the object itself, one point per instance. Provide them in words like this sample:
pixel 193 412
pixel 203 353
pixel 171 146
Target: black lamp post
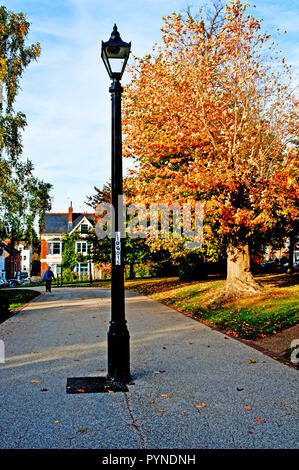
pixel 115 54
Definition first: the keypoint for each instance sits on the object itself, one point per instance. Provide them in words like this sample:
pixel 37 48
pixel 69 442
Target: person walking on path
pixel 47 277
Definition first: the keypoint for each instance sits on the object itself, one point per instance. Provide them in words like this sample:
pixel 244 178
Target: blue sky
pixel 65 94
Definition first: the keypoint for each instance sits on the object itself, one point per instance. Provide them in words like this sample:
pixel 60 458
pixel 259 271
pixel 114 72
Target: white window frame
pixel 82 252
pixel 78 268
pixel 50 252
pixel 85 225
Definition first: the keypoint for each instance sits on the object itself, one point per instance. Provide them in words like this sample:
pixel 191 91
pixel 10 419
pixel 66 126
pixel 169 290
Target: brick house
pixel 10 263
pixel 54 227
pixel 272 254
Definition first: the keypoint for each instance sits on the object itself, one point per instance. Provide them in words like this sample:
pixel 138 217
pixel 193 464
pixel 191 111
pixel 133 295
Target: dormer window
pixel 84 228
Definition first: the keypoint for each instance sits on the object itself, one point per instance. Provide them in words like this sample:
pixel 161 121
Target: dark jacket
pixel 48 275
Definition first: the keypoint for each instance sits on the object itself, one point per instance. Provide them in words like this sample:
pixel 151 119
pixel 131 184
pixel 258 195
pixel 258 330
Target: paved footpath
pixel 64 334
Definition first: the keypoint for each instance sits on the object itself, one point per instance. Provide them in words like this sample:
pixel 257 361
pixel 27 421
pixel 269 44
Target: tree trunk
pixel 291 254
pixel 131 271
pixel 239 279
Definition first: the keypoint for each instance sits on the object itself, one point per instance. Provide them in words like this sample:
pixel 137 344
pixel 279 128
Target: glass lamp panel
pixel 116 65
pixel 115 57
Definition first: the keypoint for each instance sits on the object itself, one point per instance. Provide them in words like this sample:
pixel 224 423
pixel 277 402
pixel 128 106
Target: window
pixel 84 228
pixel 54 248
pixel 82 268
pixel 24 258
pixel 82 247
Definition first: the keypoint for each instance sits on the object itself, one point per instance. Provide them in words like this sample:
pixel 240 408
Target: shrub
pixel 192 268
pixel 164 268
pixel 4 306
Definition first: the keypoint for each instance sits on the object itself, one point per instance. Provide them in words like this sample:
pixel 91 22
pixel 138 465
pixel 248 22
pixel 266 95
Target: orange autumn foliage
pixel 210 117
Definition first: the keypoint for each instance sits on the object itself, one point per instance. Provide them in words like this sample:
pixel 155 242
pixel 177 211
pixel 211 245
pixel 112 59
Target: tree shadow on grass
pixel 279 280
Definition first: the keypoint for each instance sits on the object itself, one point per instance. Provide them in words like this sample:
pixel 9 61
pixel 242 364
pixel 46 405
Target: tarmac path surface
pixel 191 383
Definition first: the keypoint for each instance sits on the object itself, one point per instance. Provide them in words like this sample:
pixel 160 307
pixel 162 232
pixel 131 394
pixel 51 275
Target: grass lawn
pixel 249 318
pixel 18 297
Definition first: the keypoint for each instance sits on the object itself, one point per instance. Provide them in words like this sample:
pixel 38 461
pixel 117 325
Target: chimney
pixel 70 224
pixel 71 213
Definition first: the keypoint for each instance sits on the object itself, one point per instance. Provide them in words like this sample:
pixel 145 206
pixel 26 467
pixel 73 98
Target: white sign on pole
pixel 117 249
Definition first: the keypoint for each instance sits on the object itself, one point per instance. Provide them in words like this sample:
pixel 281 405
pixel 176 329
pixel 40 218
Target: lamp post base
pixel 119 353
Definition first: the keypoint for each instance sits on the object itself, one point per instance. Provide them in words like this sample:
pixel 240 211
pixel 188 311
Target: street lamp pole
pixel 115 54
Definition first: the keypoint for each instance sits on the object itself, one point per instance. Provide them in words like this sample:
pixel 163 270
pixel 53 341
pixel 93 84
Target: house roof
pixel 58 223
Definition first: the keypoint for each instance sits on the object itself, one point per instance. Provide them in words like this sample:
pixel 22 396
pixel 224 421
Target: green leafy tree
pixel 136 250
pixel 23 197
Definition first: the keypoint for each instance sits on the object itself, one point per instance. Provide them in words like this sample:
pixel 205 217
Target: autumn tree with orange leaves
pixel 211 117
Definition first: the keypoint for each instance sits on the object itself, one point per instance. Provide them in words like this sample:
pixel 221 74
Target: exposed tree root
pixel 234 289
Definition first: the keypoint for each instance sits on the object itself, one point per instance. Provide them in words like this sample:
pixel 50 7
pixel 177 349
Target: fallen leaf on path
pixel 101 370
pixel 247 408
pixel 161 411
pixel 150 402
pixel 158 371
pixel 80 390
pixel 240 389
pixel 252 361
pixel 83 430
pixel 43 389
pixel 34 381
pixel 203 405
pixel 260 420
pixel 190 342
pixel 164 395
pixel 56 421
pixel 110 391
